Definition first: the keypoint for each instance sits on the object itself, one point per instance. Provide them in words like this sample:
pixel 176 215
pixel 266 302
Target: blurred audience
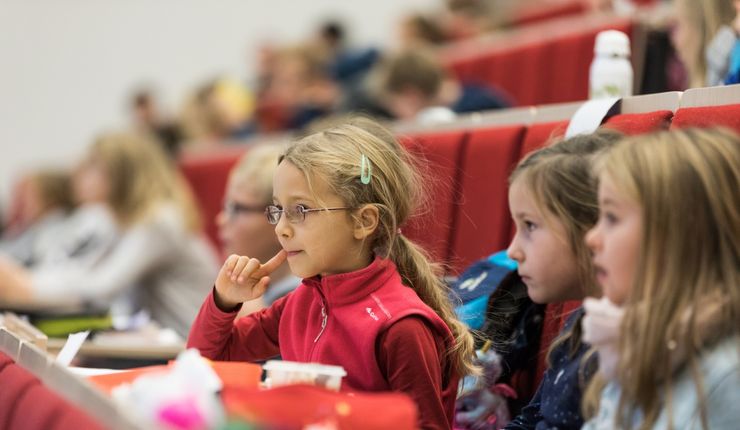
pixel 414 85
pixel 420 30
pixel 698 22
pixel 148 118
pixel 219 111
pixel 45 201
pixel 160 262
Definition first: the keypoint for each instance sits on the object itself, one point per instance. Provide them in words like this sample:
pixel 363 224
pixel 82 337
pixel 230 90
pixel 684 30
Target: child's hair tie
pixel 366 170
pixel 398 231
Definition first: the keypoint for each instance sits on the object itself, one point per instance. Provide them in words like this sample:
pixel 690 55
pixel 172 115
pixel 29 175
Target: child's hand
pixel 243 278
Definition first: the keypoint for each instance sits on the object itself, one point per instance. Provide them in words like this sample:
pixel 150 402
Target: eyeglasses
pixel 232 209
pixel 295 214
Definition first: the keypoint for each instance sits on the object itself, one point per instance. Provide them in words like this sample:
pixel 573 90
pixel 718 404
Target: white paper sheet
pixel 70 348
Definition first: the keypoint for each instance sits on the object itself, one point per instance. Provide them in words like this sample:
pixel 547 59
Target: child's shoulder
pixel 722 361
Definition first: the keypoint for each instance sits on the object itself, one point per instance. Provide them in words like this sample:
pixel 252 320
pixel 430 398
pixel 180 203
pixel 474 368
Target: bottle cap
pixel 612 42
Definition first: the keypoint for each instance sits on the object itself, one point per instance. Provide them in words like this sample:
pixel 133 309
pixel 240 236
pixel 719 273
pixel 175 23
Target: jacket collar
pixel 346 288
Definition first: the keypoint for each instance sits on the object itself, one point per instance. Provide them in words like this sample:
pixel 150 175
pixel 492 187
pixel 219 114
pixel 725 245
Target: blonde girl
pixel 157 261
pixel 552 198
pixel 667 252
pixel 370 300
pixel 697 24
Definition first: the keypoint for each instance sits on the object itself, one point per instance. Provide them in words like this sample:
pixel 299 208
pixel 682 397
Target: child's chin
pixel 301 272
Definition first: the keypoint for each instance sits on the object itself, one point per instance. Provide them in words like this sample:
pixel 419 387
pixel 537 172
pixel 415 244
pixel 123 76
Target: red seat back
pixel 483 221
pixel 540 134
pixel 640 123
pixel 440 160
pixel 543 11
pixel 37 409
pixel 15 382
pixel 708 116
pixel 208 176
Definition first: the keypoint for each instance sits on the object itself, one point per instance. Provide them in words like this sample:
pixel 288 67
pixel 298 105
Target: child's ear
pixel 368 217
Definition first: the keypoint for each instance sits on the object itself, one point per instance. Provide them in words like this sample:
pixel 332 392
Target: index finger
pixel 272 263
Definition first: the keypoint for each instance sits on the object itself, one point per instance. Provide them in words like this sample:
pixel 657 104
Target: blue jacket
pixel 720 367
pixel 557 404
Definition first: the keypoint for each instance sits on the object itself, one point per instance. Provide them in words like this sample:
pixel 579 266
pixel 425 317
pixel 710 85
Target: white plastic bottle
pixel 611 71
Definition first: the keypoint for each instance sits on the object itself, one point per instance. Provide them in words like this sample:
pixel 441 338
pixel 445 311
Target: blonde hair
pixel 334 155
pixel 560 179
pixel 705 17
pixel 256 169
pixel 54 188
pixel 141 177
pixel 684 181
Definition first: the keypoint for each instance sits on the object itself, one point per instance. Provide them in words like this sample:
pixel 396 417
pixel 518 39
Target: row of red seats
pixel 26 403
pixel 468 171
pixel 546 62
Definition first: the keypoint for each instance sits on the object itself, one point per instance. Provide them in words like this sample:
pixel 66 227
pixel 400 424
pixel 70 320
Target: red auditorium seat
pixel 708 116
pixel 483 221
pixel 640 123
pixel 5 360
pixel 542 11
pixel 36 409
pixel 570 59
pixel 441 154
pixel 207 176
pixel 543 63
pixel 15 381
pixel 540 134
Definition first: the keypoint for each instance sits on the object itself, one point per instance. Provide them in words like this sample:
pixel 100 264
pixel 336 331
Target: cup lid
pixel 612 42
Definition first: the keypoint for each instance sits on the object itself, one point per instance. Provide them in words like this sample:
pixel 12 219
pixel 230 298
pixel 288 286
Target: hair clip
pixel 366 170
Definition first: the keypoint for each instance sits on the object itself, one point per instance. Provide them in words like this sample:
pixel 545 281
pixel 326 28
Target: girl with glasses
pixel 370 299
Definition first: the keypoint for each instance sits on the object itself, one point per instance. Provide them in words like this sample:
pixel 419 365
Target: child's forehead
pixel 289 182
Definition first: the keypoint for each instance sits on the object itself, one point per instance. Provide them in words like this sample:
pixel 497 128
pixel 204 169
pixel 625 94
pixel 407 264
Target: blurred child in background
pixel 159 262
pixel 45 201
pixel 243 228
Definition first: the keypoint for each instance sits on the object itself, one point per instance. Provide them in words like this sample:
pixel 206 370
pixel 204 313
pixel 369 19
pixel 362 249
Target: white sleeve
pixel 139 250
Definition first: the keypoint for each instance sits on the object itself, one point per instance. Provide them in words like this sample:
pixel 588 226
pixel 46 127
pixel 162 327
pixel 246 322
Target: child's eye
pixel 610 218
pixel 301 208
pixel 529 226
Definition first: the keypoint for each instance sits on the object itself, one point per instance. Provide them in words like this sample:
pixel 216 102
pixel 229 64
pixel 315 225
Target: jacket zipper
pixel 324 317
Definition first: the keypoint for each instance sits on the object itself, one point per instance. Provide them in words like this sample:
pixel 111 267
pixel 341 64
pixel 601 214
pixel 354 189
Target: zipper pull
pixel 324 317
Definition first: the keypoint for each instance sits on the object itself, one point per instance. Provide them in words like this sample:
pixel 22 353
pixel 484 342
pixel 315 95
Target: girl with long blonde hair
pixel 370 301
pixel 667 252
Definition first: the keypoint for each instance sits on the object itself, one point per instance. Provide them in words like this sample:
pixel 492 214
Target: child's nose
pixel 593 240
pixel 221 218
pixel 283 227
pixel 513 251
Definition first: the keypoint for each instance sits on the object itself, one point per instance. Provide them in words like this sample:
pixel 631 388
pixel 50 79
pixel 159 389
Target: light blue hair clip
pixel 366 170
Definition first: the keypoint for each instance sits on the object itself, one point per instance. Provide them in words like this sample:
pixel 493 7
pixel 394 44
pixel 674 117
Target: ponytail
pixel 425 278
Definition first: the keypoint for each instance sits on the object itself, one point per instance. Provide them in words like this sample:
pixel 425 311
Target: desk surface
pixel 121 350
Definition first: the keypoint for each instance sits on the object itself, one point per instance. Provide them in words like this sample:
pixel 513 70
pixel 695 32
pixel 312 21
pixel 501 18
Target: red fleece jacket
pixel 365 321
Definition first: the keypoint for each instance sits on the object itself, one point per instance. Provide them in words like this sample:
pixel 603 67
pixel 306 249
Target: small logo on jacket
pixel 372 314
